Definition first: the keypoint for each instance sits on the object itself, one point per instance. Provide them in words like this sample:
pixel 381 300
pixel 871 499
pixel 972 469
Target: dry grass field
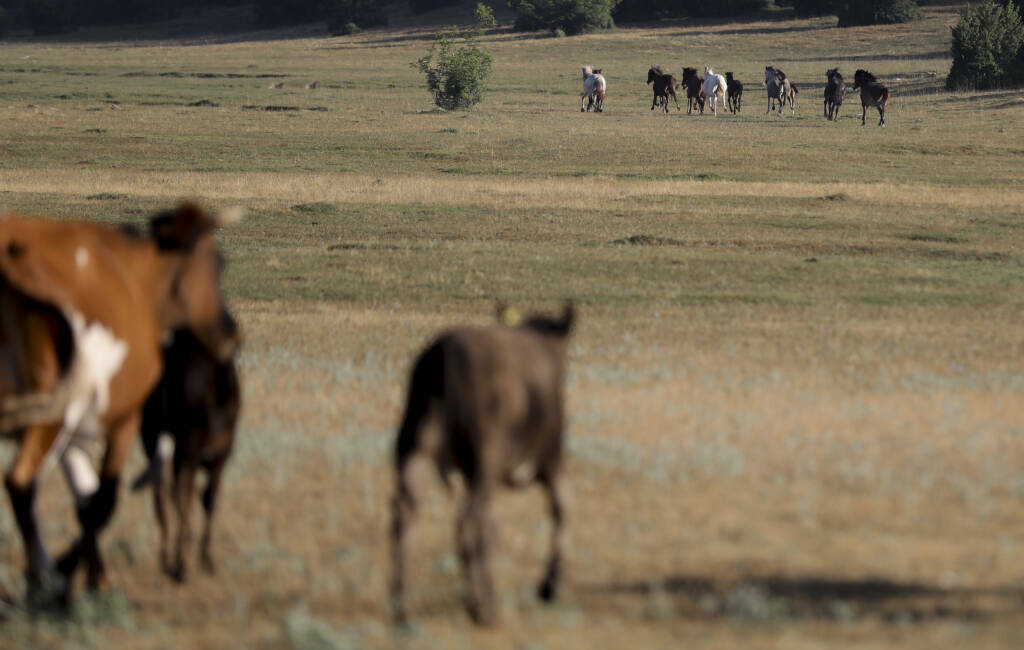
pixel 796 390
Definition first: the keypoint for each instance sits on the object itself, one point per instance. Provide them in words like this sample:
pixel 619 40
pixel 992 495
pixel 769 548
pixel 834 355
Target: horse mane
pixel 780 74
pixel 865 75
pixel 656 69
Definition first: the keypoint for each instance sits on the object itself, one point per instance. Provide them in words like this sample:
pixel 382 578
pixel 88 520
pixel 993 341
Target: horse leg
pixel 185 465
pixel 21 489
pixel 475 538
pixel 881 116
pixel 552 486
pixel 213 474
pixel 96 513
pixel 163 460
pixel 863 113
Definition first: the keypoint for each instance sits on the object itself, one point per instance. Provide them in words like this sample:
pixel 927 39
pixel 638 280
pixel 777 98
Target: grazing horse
pixel 490 403
pixel 664 85
pixel 872 93
pixel 778 88
pixel 694 90
pixel 714 88
pixel 83 308
pixel 188 423
pixel 835 93
pixel 593 90
pixel 735 92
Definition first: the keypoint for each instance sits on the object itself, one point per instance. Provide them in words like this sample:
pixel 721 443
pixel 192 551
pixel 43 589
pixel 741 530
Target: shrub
pixel 876 12
pixel 423 6
pixel 457 66
pixel 47 17
pixel 273 13
pixel 638 10
pixel 359 13
pixel 814 7
pixel 571 16
pixel 987 47
pixel 3 21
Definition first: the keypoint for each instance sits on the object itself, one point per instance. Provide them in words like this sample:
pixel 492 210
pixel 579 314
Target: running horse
pixel 872 93
pixel 835 93
pixel 694 90
pixel 735 92
pixel 714 88
pixel 778 88
pixel 593 90
pixel 83 310
pixel 664 85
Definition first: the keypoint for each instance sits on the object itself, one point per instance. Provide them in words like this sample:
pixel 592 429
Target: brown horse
pixel 835 93
pixel 694 90
pixel 664 85
pixel 734 88
pixel 188 423
pixel 488 402
pixel 84 307
pixel 872 93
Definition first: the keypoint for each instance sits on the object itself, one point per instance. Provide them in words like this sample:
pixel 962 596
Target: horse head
pixel 186 234
pixel 587 71
pixel 862 78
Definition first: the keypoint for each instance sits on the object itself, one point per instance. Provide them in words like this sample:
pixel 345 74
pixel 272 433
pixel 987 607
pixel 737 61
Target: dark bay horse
pixel 735 92
pixel 872 93
pixel 694 90
pixel 664 85
pixel 835 92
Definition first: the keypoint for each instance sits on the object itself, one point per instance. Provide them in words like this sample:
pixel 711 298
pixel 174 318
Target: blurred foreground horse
pixel 188 423
pixel 488 402
pixel 83 308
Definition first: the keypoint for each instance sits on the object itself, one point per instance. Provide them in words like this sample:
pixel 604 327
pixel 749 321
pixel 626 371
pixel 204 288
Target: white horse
pixel 593 90
pixel 714 87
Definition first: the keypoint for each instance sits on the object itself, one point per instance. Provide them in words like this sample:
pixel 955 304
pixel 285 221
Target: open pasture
pixel 796 393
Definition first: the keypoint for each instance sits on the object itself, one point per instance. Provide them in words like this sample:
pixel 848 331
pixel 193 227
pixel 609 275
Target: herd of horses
pixel 701 90
pixel 108 332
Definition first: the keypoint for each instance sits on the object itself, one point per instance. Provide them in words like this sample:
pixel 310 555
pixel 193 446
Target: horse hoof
pixel 546 591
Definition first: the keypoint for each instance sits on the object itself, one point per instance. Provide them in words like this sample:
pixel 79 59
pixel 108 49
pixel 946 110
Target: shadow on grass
pixel 777 597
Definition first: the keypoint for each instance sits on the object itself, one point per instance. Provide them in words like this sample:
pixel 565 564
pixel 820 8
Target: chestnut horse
pixel 664 85
pixel 83 308
pixel 872 93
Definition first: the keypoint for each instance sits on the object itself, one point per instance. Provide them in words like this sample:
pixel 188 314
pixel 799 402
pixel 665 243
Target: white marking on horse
pixel 165 447
pixel 98 356
pixel 81 257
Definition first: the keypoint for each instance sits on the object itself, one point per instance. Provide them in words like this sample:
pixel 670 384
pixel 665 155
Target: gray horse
pixel 835 93
pixel 778 87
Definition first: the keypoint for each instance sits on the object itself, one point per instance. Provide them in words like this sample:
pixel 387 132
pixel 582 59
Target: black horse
pixel 664 85
pixel 734 87
pixel 872 93
pixel 835 92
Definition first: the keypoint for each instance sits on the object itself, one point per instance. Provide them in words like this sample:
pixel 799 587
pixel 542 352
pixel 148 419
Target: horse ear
pixel 179 229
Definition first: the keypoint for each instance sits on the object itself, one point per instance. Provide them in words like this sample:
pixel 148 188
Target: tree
pixel 987 47
pixel 571 16
pixel 457 66
pixel 876 12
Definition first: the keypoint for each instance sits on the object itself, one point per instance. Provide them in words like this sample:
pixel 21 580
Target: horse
pixel 778 88
pixel 835 93
pixel 593 90
pixel 735 93
pixel 188 423
pixel 490 403
pixel 664 85
pixel 83 307
pixel 714 88
pixel 694 90
pixel 872 93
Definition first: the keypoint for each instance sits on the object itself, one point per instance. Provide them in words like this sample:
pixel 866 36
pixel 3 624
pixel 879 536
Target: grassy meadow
pixel 796 399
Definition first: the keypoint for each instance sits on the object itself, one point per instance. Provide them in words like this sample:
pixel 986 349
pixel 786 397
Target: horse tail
pixel 883 98
pixel 793 86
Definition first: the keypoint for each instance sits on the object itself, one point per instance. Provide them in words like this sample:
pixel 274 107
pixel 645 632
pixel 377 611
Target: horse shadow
pixel 773 597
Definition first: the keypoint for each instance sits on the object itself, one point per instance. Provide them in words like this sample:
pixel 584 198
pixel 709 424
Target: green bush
pixel 48 17
pixel 423 6
pixel 571 16
pixel 814 7
pixel 876 12
pixel 457 66
pixel 3 21
pixel 987 47
pixel 360 13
